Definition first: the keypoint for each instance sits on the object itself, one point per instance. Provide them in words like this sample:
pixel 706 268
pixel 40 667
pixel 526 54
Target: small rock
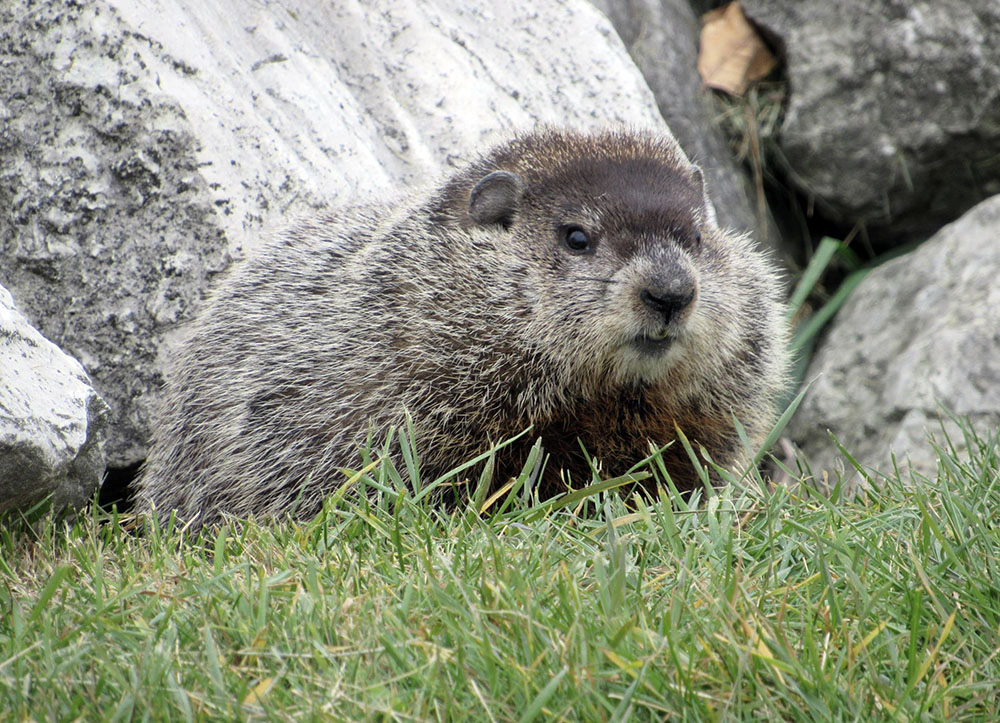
pixel 921 334
pixel 52 422
pixel 893 117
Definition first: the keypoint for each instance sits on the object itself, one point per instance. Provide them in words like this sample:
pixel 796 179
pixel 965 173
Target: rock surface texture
pixel 920 331
pixel 144 143
pixel 52 422
pixel 894 108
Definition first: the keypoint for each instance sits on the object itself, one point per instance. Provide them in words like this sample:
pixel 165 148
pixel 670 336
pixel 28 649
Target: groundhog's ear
pixel 495 198
pixel 699 178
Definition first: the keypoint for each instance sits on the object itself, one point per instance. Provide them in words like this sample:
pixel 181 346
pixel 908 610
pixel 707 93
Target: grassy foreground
pixel 752 603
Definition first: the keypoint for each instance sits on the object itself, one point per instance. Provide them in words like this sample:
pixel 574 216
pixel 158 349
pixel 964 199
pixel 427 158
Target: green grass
pixel 752 603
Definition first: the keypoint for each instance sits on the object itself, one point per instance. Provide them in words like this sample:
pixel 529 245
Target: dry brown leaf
pixel 732 53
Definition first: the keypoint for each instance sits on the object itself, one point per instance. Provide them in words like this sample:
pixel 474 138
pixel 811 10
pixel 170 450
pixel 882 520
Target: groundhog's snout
pixel 667 301
pixel 667 292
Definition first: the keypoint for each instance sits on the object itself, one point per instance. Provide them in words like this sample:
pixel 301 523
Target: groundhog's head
pixel 624 268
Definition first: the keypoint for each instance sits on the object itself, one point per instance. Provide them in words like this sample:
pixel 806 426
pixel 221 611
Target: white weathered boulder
pixel 52 422
pixel 144 142
pixel 893 116
pixel 920 334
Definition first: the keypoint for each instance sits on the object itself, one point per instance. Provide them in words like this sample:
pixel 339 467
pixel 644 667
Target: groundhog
pixel 576 284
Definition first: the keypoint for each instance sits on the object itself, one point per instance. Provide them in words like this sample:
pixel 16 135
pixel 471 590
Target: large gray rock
pixel 662 38
pixel 894 108
pixel 920 333
pixel 52 422
pixel 145 142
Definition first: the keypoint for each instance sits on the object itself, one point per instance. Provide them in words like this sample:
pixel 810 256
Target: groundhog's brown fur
pixel 575 283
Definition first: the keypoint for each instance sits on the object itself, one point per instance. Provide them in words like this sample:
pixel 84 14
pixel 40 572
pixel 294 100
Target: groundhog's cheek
pixel 713 326
pixel 617 318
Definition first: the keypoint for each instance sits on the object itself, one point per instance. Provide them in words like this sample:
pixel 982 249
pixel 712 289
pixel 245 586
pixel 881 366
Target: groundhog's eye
pixel 697 237
pixel 576 239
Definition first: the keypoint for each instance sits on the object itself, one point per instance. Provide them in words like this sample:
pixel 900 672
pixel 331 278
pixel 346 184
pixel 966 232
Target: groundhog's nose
pixel 667 302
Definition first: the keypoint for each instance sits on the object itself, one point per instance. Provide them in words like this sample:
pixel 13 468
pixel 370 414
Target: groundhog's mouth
pixel 653 344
